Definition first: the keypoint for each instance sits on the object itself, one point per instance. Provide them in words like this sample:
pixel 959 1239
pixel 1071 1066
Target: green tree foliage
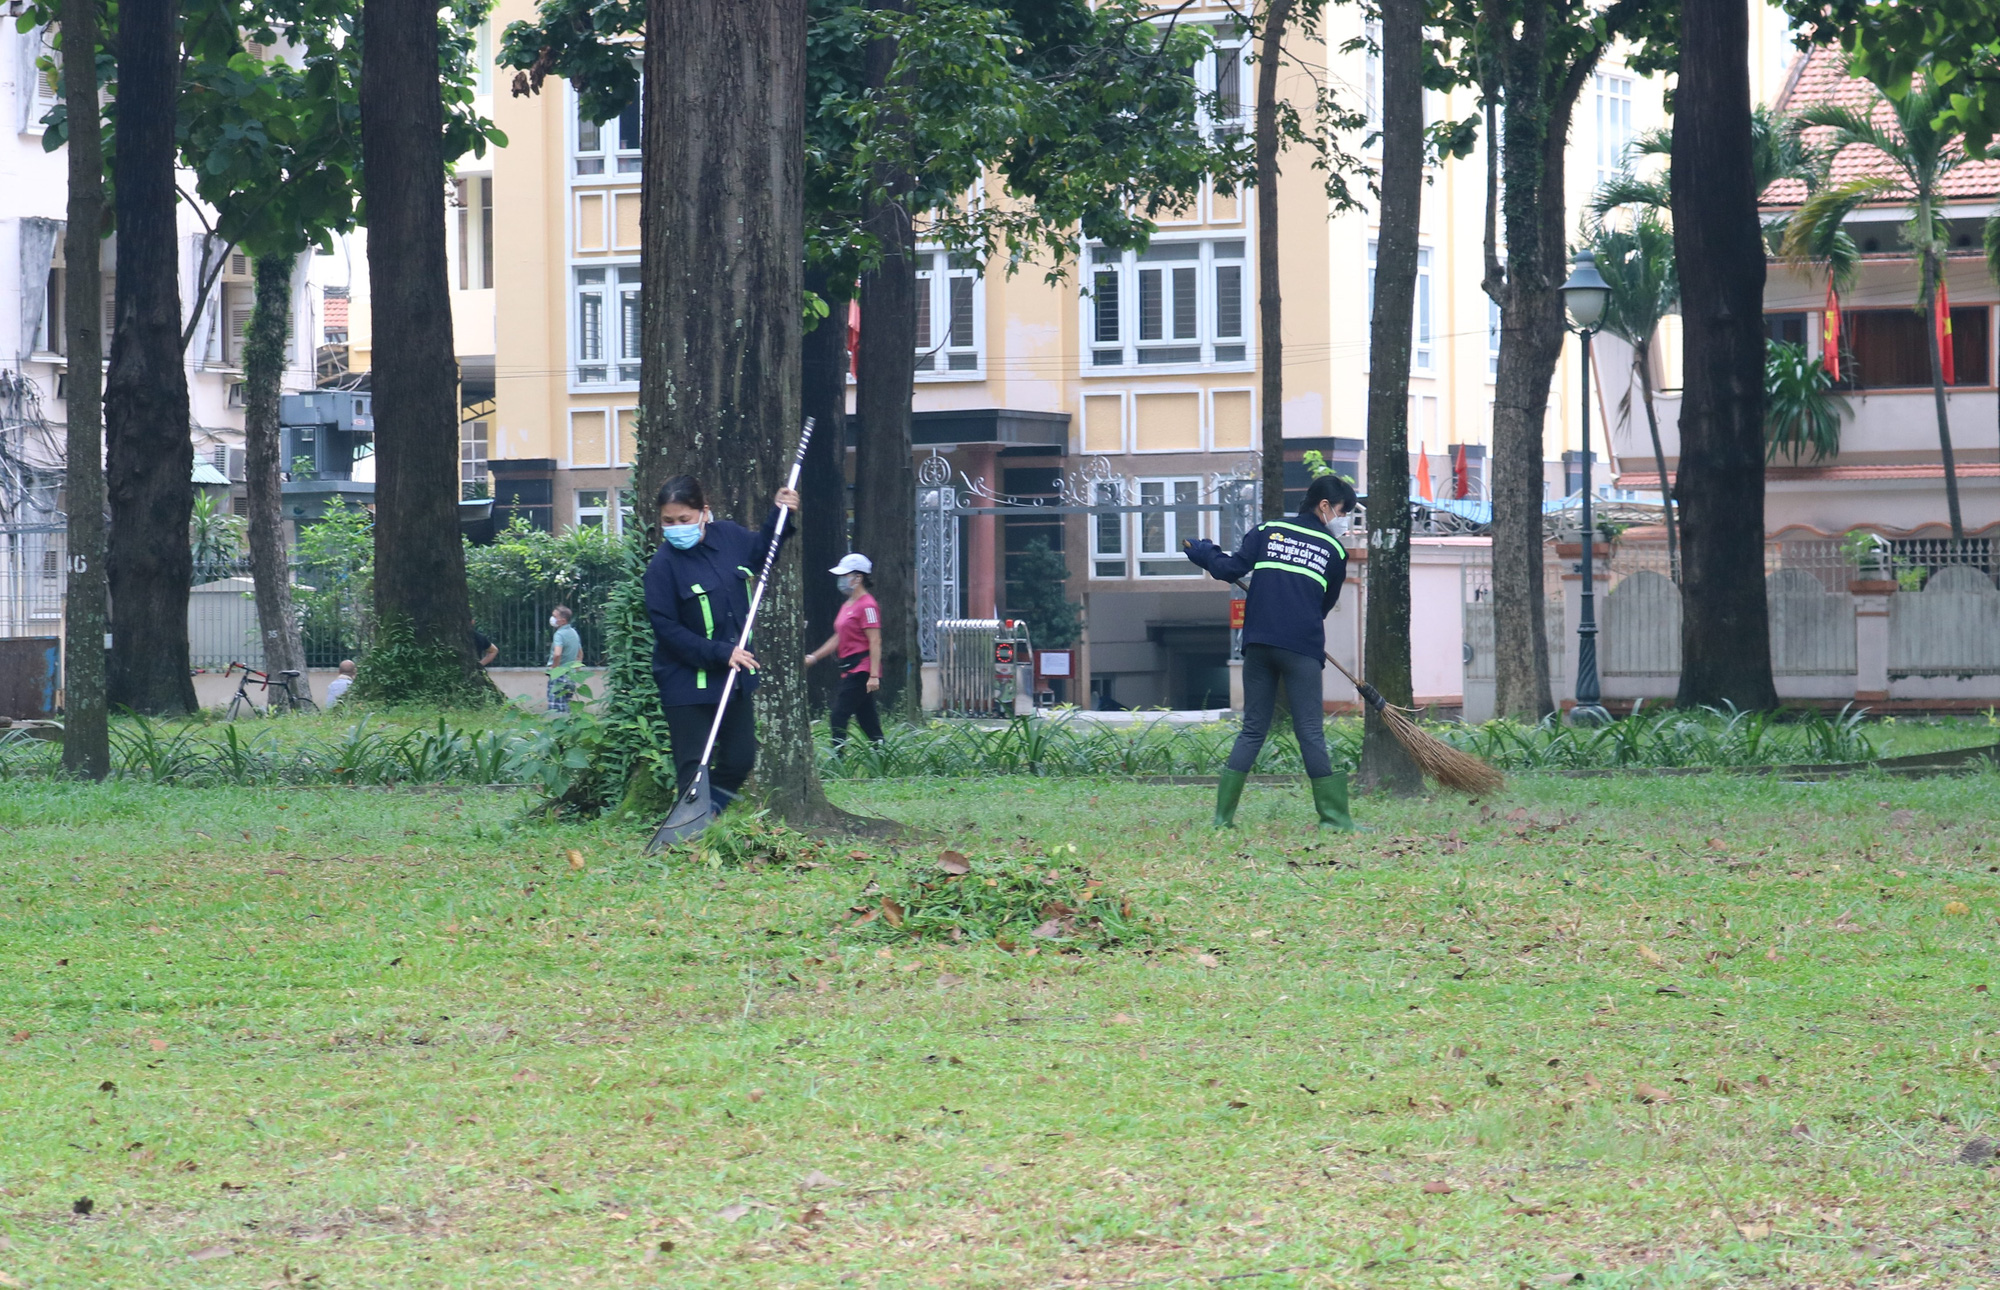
pixel 1037 593
pixel 1802 411
pixel 1920 142
pixel 1637 263
pixel 1953 45
pixel 214 534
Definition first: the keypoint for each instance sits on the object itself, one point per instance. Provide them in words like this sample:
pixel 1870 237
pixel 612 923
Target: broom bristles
pixel 1456 770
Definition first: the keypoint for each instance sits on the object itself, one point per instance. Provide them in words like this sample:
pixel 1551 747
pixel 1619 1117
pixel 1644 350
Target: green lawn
pixel 361 1038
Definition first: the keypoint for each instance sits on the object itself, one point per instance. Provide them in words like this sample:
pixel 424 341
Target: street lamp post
pixel 1585 294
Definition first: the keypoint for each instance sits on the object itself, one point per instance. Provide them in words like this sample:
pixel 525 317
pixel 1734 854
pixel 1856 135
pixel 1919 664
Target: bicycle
pixel 291 693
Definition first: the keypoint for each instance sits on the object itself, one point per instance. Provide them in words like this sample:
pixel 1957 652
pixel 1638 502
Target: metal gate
pixel 937 553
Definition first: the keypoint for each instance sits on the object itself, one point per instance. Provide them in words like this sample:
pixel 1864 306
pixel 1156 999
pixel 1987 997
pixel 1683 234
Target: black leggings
pixel 852 700
pixel 1264 666
pixel 735 744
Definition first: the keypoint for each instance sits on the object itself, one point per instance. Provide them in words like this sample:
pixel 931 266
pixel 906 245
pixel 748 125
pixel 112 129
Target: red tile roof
pixel 1823 79
pixel 333 311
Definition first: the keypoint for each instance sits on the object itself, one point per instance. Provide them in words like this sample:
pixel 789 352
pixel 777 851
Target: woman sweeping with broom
pixel 1299 565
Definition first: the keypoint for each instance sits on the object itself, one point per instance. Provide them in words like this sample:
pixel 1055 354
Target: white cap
pixel 854 562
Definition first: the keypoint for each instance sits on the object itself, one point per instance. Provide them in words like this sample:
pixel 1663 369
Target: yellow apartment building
pixel 1136 381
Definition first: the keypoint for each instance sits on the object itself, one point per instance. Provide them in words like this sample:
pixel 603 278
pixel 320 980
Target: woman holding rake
pixel 1299 565
pixel 698 596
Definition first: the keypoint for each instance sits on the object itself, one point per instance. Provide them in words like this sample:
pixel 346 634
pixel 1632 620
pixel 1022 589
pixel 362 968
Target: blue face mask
pixel 681 537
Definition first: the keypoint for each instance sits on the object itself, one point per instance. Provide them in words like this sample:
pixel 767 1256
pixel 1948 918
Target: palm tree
pixel 1638 263
pixel 1919 156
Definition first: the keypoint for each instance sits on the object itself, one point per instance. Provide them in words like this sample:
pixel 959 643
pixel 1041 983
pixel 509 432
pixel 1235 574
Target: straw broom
pixel 1456 770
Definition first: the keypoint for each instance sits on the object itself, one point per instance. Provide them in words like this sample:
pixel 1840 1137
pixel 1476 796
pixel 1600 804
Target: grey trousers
pixel 1264 666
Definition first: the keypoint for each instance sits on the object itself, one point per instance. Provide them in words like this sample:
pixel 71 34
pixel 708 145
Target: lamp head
pixel 1585 293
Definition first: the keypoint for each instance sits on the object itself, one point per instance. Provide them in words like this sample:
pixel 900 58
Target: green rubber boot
pixel 1228 790
pixel 1330 800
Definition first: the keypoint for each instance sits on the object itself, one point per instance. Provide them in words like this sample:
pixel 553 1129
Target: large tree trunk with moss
pixel 1384 763
pixel 1270 300
pixel 423 617
pixel 1539 100
pixel 1725 621
pixel 86 735
pixel 263 377
pixel 724 223
pixel 149 456
pixel 823 483
pixel 885 477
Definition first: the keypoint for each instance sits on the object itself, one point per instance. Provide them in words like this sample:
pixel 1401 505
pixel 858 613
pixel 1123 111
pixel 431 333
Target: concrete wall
pixel 522 686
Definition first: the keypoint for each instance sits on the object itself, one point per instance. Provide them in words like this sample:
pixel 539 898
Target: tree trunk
pixel 1932 274
pixel 1539 104
pixel 1270 306
pixel 723 226
pixel 823 483
pixel 263 375
pixel 1644 362
pixel 1384 763
pixel 149 458
pixel 1725 622
pixel 423 617
pixel 885 477
pixel 86 737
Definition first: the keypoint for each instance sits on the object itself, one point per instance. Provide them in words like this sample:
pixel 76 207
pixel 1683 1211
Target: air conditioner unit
pixel 350 410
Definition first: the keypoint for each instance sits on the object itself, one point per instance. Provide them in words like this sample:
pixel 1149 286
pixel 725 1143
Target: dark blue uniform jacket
pixel 698 599
pixel 1296 569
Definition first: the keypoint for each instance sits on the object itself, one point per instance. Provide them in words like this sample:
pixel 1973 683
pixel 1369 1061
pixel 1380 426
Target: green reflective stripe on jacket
pixel 1292 568
pixel 707 629
pixel 1321 534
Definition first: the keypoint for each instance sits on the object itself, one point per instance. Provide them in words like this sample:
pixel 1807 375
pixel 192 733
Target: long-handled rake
pixel 1456 770
pixel 695 809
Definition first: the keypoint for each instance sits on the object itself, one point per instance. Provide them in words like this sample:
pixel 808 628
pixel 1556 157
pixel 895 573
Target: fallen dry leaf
pixel 817 1179
pixel 1122 1019
pixel 1208 960
pixel 1591 1081
pixel 954 863
pixel 207 1252
pixel 1652 956
pixel 1648 1094
pixel 948 979
pixel 1755 1231
pixel 158 1045
pixel 1048 930
pixel 756 1095
pixel 813 1216
pixel 892 913
pixel 730 1213
pixel 1436 1188
pixel 575 858
pixel 1957 907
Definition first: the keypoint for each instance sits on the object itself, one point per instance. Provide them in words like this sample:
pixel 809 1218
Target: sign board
pixel 1053 662
pixel 1236 614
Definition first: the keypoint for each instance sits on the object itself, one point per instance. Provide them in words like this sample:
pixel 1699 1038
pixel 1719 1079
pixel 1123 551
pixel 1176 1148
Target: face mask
pixel 846 584
pixel 681 537
pixel 554 621
pixel 1339 525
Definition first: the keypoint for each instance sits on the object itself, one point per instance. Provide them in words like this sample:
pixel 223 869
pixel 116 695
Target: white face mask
pixel 554 621
pixel 1339 524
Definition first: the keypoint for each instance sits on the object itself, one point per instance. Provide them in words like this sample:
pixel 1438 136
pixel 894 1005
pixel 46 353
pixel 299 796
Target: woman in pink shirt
pixel 857 642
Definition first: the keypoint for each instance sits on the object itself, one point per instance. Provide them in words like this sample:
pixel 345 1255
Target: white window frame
pixel 1423 309
pixel 475 450
pixel 1492 339
pixel 603 512
pixel 1126 271
pixel 615 158
pixel 1231 49
pixel 941 356
pixel 615 366
pixel 1614 123
pixel 1173 491
pixel 1105 565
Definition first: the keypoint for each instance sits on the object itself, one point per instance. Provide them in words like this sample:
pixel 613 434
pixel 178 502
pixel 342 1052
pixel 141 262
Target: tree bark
pixel 86 735
pixel 1725 622
pixel 1644 362
pixel 885 477
pixel 1384 763
pixel 263 377
pixel 1539 101
pixel 420 586
pixel 149 456
pixel 1270 305
pixel 723 226
pixel 1933 272
pixel 823 483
